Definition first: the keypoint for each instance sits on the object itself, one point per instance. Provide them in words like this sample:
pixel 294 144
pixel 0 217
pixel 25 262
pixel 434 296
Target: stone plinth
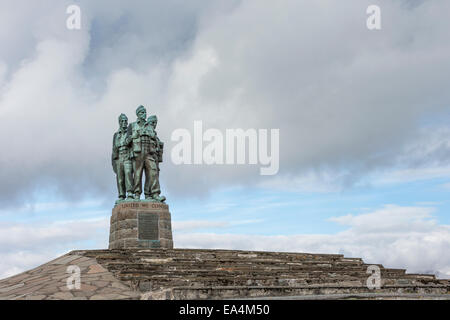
pixel 140 224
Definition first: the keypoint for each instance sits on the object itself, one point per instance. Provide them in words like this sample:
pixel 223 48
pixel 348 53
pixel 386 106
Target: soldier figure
pixel 145 157
pixel 121 160
pixel 159 147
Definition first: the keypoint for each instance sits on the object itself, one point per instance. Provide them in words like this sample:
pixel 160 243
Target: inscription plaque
pixel 148 226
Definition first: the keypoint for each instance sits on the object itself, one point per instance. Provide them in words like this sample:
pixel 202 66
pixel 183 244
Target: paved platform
pixel 215 274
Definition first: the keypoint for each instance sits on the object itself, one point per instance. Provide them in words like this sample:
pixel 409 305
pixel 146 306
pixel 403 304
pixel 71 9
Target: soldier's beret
pixel 141 107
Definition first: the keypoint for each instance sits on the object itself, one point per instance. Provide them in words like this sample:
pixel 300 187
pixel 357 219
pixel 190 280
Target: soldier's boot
pixel 158 198
pixel 148 197
pixel 121 198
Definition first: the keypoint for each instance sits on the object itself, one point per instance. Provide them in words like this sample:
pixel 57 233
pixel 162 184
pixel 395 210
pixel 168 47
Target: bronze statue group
pixel 137 149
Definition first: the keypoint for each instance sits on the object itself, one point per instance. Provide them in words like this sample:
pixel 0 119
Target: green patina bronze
pixel 137 150
pixel 121 160
pixel 153 121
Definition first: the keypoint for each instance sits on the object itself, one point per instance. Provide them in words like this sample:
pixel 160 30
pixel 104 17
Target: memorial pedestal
pixel 140 224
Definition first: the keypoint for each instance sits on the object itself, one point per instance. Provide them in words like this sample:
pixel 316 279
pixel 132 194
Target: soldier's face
pixel 153 123
pixel 142 114
pixel 123 123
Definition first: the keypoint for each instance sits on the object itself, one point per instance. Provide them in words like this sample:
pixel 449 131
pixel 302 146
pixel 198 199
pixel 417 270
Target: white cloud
pixel 207 224
pixel 391 218
pixel 3 70
pixel 198 224
pixel 413 174
pixel 27 245
pixel 15 236
pixel 13 263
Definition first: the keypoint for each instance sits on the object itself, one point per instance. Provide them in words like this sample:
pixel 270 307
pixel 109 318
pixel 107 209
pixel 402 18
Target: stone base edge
pixel 133 243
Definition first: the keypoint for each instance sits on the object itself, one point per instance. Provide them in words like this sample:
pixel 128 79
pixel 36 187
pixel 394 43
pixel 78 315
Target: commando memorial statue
pixel 137 151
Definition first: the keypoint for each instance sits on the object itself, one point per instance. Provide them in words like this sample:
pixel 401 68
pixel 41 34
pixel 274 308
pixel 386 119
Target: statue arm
pixel 129 140
pixel 160 149
pixel 129 131
pixel 114 154
pixel 129 135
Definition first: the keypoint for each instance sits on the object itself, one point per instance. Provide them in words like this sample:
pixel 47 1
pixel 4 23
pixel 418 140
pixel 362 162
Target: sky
pixel 363 118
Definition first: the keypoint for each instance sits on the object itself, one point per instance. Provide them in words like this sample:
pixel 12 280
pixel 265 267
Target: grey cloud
pixel 345 99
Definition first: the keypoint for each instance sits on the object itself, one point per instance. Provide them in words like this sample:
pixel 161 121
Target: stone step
pixel 199 253
pixel 151 270
pixel 201 273
pixel 237 266
pixel 164 281
pixel 421 276
pixel 256 262
pixel 229 262
pixel 243 268
pixel 268 279
pixel 359 296
pixel 184 259
pixel 230 292
pixel 146 284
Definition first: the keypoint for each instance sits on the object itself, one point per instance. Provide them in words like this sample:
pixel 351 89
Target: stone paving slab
pixel 49 282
